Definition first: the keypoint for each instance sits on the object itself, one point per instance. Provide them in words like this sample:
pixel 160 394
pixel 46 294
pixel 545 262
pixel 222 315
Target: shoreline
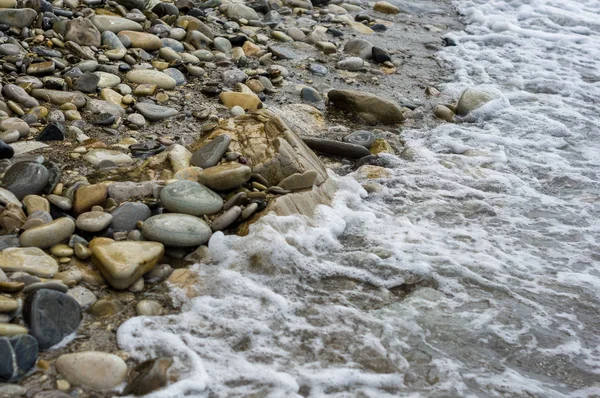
pixel 413 73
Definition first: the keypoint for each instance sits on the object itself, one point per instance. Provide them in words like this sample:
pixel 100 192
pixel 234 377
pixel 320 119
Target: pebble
pixel 226 219
pixel 299 181
pixel 92 369
pixel 50 285
pixel 161 80
pixel 210 154
pixel 93 221
pixel 126 216
pixel 148 376
pixel 51 316
pixel 10 329
pixel 124 262
pixel 471 99
pixel 48 235
pixel 361 137
pixel 225 177
pixel 28 259
pixel 189 197
pixel 26 178
pixel 95 156
pixel 84 297
pixel 176 230
pixel 18 355
pixel 369 107
pixel 336 148
pixel 154 112
pixel 159 273
pixel 148 308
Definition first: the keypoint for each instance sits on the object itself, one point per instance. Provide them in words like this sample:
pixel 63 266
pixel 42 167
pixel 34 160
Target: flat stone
pixel 84 297
pixel 177 230
pixel 88 196
pixel 369 107
pixel 129 190
pixel 19 18
pixel 18 94
pixel 336 148
pixel 147 76
pixel 148 376
pixel 148 308
pixel 13 123
pixel 107 79
pixel 50 285
pixel 245 100
pixel 361 137
pixel 360 47
pixel 143 40
pixel 176 75
pixel 154 112
pixel 48 235
pixel 225 177
pixel 28 259
pixel 240 11
pixel 18 355
pixel 211 153
pixel 60 97
pixel 124 262
pixel 41 68
pixel 9 49
pixel 189 197
pixel 83 32
pixel 114 24
pixel 51 316
pixel 299 181
pixel 93 221
pixel 283 52
pixel 386 8
pixel 126 216
pixel 10 329
pixel 26 178
pixel 351 64
pixel 95 156
pixel 226 219
pixel 91 369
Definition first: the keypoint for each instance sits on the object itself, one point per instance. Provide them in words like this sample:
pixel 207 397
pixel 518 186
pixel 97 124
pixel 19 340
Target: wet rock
pixel 148 308
pixel 368 107
pixel 83 32
pixel 114 24
pixel 225 177
pixel 19 18
pixel 51 316
pixel 26 178
pixel 189 197
pixel 91 369
pixel 93 221
pixel 361 137
pixel 444 113
pixel 176 230
pixel 29 259
pixel 336 148
pixel 48 235
pixel 124 262
pixel 41 68
pixel 95 156
pixel 154 112
pixel 380 55
pixel 283 52
pixel 6 151
pixel 299 181
pixel 148 376
pixel 52 132
pixel 211 153
pixel 88 196
pixel 471 99
pixel 127 215
pixel 142 76
pixel 18 355
pixel 19 95
pixel 310 94
pixel 226 219
pixel 360 47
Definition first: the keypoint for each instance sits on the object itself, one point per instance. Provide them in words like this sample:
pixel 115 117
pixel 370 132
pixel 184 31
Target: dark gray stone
pixel 154 112
pixel 52 132
pixel 310 94
pixel 18 355
pixel 336 148
pixel 210 154
pixel 51 316
pixel 282 52
pixel 126 216
pixel 87 83
pixel 6 151
pixel 7 241
pixel 26 178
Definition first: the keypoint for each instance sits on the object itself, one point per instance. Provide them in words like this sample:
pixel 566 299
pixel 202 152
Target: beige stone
pixel 28 259
pixel 35 202
pixel 95 370
pixel 245 100
pixel 188 281
pixel 122 263
pixel 386 8
pixel 10 329
pixel 143 40
pixel 88 196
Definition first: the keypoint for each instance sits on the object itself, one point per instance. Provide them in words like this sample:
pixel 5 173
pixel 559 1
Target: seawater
pixel 473 272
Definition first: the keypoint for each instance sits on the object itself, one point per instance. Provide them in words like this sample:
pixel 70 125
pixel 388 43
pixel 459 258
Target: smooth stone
pixel 19 18
pixel 380 55
pixel 127 215
pixel 48 235
pixel 18 94
pixel 9 49
pixel 210 154
pixel 361 137
pixel 25 178
pixel 147 76
pixel 51 316
pixel 444 113
pixel 299 181
pixel 310 94
pixel 84 297
pixel 245 100
pixel 148 308
pixel 10 329
pixel 336 148
pixel 386 8
pixel 13 123
pixel 176 75
pixel 114 24
pixel 83 32
pixel 283 52
pixel 360 47
pixel 81 251
pixel 6 151
pixel 159 273
pixel 107 79
pixel 124 262
pixel 52 132
pixel 237 111
pixel 233 76
pixel 240 11
pixel 225 177
pixel 177 230
pixel 41 68
pixel 92 369
pixel 93 221
pixel 318 69
pixel 63 203
pixel 189 197
pixel 51 285
pixel 369 107
pixel 143 40
pixel 226 219
pixel 129 190
pixel 60 97
pixel 95 156
pixel 18 355
pixel 61 250
pixel 473 98
pixel 106 307
pixel 351 64
pixel 154 112
pixel 88 196
pixel 28 259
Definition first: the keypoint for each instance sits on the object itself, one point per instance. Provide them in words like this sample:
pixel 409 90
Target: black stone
pixel 211 90
pixel 448 42
pixel 87 83
pixel 380 55
pixel 196 12
pixel 131 4
pixel 335 32
pixel 46 52
pixel 379 27
pixel 162 9
pixel 123 67
pixel 51 316
pixel 6 151
pixel 336 148
pixel 52 132
pixel 238 41
pixel 103 119
pixel 18 355
pixel 26 178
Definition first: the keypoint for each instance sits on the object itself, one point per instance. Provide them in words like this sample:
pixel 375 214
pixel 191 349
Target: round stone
pixel 148 308
pixel 92 369
pixel 224 177
pixel 126 216
pixel 189 197
pixel 26 178
pixel 177 230
pixel 48 235
pixel 93 221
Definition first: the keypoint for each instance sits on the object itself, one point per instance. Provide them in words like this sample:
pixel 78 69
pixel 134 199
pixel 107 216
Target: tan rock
pixel 145 41
pixel 380 145
pixel 124 262
pixel 444 113
pixel 35 202
pixel 245 100
pixel 386 8
pixel 10 329
pixel 12 218
pixel 110 95
pixel 250 49
pixel 95 370
pixel 48 235
pixel 88 196
pixel 225 176
pixel 188 281
pixel 371 172
pixel 28 259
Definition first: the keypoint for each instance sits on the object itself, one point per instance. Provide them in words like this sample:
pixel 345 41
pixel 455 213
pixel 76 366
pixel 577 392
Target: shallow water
pixel 473 272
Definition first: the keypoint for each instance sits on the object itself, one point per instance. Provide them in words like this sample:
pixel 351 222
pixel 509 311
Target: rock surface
pixel 95 370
